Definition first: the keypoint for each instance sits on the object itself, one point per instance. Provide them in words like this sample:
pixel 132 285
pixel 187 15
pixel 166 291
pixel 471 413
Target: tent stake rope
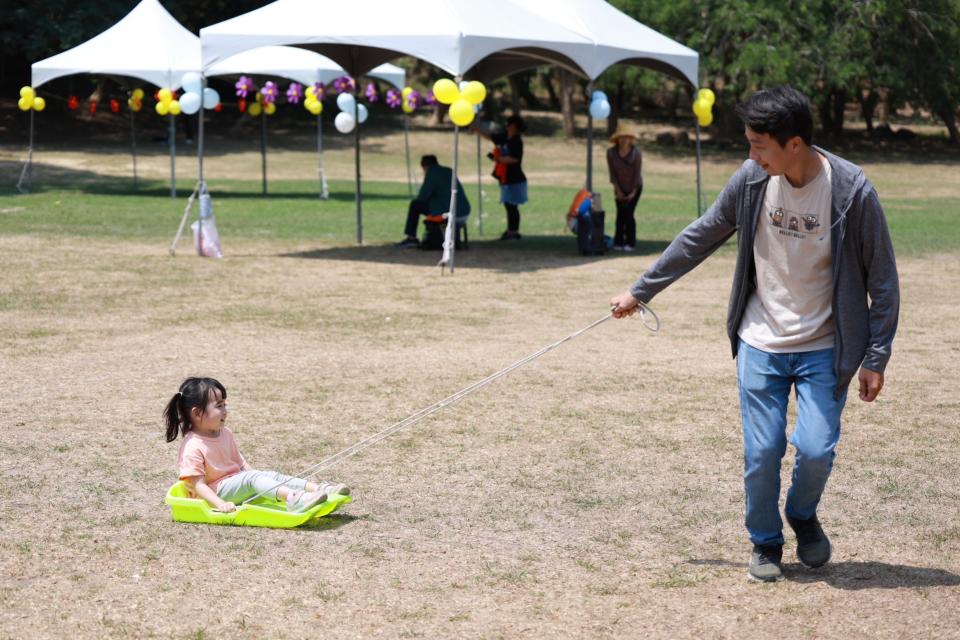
pixel 410 420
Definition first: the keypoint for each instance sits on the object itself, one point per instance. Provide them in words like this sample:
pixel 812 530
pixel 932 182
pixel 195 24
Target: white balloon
pixel 192 82
pixel 346 102
pixel 362 113
pixel 600 109
pixel 598 95
pixel 190 103
pixel 344 122
pixel 210 98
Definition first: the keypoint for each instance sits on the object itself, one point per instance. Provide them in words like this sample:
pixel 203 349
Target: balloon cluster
pixel 314 101
pixel 371 93
pixel 703 107
pixel 462 99
pixel 166 103
pixel 244 85
pixel 135 101
pixel 599 105
pixel 393 98
pixel 30 100
pixel 411 99
pixel 195 95
pixel 294 93
pixel 344 83
pixel 345 122
pixel 261 105
pixel 269 91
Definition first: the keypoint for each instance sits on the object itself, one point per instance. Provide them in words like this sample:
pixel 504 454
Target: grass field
pixel 594 493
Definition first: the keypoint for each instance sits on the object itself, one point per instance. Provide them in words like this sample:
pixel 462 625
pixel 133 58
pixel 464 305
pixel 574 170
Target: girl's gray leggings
pixel 246 484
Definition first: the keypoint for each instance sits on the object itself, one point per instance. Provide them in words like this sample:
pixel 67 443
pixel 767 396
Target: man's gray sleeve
pixel 883 283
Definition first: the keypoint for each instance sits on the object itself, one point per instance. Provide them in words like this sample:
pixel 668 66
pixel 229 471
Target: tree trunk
pixel 514 93
pixel 868 103
pixel 547 79
pixel 826 112
pixel 839 108
pixel 566 102
pixel 949 117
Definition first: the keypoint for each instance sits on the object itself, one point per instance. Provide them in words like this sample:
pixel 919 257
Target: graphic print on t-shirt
pixel 794 224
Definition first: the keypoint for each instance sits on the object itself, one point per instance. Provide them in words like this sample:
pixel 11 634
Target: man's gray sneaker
pixel 813 546
pixel 765 563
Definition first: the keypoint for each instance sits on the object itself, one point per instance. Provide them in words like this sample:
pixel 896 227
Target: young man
pixel 815 298
pixel 432 199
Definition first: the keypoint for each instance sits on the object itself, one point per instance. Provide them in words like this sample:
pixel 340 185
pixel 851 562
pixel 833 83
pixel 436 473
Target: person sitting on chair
pixel 433 198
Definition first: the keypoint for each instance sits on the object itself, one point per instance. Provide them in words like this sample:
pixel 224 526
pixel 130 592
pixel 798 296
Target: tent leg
pixel 263 149
pixel 699 201
pixel 449 242
pixel 479 190
pixel 406 146
pixel 356 156
pixel 324 190
pixel 173 157
pixel 589 141
pixel 133 147
pixel 183 220
pixel 26 174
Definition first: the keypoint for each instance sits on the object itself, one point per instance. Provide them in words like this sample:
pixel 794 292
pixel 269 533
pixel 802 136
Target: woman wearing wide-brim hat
pixel 625 163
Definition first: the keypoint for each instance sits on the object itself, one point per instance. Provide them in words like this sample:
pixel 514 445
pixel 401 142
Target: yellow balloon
pixel 165 95
pixel 311 92
pixel 406 92
pixel 407 107
pixel 27 92
pixel 24 104
pixel 705 120
pixel 701 107
pixel 254 109
pixel 706 94
pixel 138 94
pixel 315 107
pixel 446 91
pixel 39 104
pixel 474 92
pixel 270 108
pixel 461 112
pixel 175 107
pixel 163 108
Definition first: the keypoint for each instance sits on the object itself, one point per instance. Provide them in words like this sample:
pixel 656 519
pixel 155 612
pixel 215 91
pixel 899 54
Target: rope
pixel 449 400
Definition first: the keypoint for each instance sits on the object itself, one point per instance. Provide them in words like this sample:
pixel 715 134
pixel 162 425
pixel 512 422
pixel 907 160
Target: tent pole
pixel 27 171
pixel 263 149
pixel 479 190
pixel 201 187
pixel 324 190
pixel 449 240
pixel 356 159
pixel 172 135
pixel 589 140
pixel 699 206
pixel 133 148
pixel 406 146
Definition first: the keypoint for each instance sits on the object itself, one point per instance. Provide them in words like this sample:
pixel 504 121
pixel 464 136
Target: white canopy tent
pixel 305 67
pixel 147 44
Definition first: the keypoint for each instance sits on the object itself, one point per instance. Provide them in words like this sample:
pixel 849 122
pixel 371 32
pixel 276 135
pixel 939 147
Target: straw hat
pixel 622 130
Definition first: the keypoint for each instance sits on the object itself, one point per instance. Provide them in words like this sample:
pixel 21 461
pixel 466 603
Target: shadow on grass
pixel 533 253
pixel 329 523
pixel 858 575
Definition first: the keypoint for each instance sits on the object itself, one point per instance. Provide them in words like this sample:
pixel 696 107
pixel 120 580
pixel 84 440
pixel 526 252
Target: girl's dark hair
pixel 518 122
pixel 782 112
pixel 194 392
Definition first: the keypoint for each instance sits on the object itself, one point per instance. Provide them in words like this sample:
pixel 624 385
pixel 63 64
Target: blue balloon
pixel 346 102
pixel 599 109
pixel 598 95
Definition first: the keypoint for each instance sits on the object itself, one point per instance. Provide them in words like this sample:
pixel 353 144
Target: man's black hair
pixel 429 160
pixel 783 112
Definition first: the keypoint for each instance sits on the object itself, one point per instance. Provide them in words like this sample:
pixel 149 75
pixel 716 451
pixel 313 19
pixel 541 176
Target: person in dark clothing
pixel 432 199
pixel 625 163
pixel 508 170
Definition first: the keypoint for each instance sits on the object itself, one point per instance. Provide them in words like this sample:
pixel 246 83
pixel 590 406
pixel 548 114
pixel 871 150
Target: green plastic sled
pixel 262 512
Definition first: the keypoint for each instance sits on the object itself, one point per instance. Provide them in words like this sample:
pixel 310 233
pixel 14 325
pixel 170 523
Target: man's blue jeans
pixel 765 380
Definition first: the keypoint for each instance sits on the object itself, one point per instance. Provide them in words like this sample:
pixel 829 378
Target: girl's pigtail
pixel 173 417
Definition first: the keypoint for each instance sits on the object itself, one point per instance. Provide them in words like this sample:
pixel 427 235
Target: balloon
pixel 165 95
pixel 270 108
pixel 362 113
pixel 162 108
pixel 190 103
pixel 598 95
pixel 474 92
pixel 27 92
pixel 705 120
pixel 461 112
pixel 311 91
pixel 706 94
pixel 24 104
pixel 701 107
pixel 346 102
pixel 255 109
pixel 344 122
pixel 39 104
pixel 138 94
pixel 192 82
pixel 463 85
pixel 315 107
pixel 210 98
pixel 446 91
pixel 175 107
pixel 406 93
pixel 407 107
pixel 600 109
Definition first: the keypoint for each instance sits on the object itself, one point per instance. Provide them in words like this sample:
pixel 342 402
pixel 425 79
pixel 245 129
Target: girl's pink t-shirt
pixel 213 457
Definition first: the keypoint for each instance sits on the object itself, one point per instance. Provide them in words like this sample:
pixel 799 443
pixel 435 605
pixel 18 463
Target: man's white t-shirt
pixel 791 309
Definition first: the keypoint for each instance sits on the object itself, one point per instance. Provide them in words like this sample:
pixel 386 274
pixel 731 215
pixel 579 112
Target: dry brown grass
pixel 595 493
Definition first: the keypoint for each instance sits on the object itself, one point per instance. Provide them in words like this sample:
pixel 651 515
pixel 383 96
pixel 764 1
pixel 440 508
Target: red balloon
pixel 93 106
pixel 242 105
pixel 114 106
pixel 218 108
pixel 73 103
